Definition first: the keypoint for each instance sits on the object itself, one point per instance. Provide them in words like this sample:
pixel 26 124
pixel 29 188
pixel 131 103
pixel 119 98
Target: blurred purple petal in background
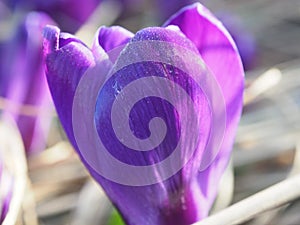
pixel 68 14
pixel 165 8
pixel 243 39
pixel 23 83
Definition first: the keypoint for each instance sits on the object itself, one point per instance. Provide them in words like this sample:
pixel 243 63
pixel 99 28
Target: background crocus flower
pixel 165 8
pixel 22 81
pixel 68 14
pixel 187 196
pixel 244 40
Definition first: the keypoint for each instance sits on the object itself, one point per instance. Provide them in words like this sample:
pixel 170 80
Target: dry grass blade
pixel 13 152
pixel 263 83
pixel 285 192
pixel 57 176
pixel 272 111
pixel 225 194
pixel 270 216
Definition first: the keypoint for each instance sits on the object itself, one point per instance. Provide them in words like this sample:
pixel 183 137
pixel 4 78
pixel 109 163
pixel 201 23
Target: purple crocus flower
pixel 22 81
pixel 189 75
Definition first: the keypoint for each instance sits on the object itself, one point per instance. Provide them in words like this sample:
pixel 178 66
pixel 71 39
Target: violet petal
pixel 221 56
pixel 111 37
pixel 63 78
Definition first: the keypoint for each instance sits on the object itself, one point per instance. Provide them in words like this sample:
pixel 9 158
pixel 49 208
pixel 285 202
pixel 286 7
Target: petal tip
pixel 51 38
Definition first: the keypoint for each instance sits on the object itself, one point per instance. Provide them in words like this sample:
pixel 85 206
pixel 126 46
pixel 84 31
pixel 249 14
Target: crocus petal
pixel 108 39
pixel 111 37
pixel 173 201
pixel 221 56
pixel 63 78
